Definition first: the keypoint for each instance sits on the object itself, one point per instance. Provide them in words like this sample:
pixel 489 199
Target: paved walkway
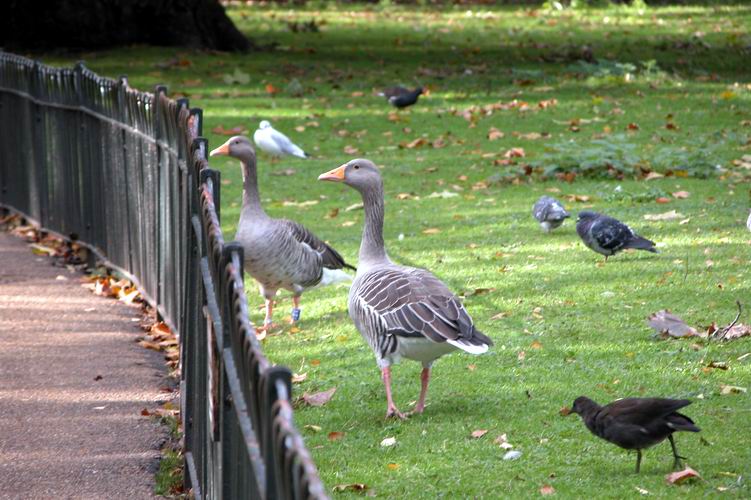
pixel 64 431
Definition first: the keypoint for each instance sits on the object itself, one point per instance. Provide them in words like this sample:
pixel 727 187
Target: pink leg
pixel 424 380
pixel 391 410
pixel 267 322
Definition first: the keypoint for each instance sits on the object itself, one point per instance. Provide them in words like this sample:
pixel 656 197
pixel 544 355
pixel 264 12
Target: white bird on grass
pixel 273 142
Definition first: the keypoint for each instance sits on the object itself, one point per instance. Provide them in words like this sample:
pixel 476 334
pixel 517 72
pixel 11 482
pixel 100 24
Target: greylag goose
pixel 279 253
pixel 400 311
pixel 549 212
pixel 608 236
pixel 636 423
pixel 273 142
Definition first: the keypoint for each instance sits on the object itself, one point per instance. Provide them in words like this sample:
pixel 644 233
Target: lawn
pixel 671 93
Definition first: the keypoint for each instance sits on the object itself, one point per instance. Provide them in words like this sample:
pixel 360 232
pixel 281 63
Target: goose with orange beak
pixel 279 253
pixel 401 312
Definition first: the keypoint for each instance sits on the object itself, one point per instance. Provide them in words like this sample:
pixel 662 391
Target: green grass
pixel 586 320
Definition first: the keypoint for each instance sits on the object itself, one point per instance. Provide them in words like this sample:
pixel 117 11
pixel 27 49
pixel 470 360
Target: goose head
pixel 359 173
pixel 238 147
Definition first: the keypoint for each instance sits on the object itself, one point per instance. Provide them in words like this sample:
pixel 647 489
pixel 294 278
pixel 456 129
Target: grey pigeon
pixel 608 236
pixel 636 423
pixel 549 213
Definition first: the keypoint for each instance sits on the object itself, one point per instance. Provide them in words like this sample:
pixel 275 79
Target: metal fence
pixel 125 173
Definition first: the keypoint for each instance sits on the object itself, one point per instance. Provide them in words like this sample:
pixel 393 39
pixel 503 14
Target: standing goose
pixel 400 311
pixel 279 253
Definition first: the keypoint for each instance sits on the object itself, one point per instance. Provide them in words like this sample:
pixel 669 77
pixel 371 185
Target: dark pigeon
pixel 636 423
pixel 549 213
pixel 608 236
pixel 404 100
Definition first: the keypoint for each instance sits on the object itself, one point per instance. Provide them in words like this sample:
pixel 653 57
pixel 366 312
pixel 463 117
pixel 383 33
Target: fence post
pixel 274 375
pixel 215 176
pixel 197 113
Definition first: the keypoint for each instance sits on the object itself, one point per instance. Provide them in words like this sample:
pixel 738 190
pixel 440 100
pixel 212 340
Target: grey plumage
pixel 608 236
pixel 401 312
pixel 279 253
pixel 549 212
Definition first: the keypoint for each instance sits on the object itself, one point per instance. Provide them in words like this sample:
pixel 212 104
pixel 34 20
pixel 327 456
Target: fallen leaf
pixel 297 378
pixel 318 398
pixel 641 490
pixel 565 411
pixel 514 153
pixel 653 175
pixel 521 356
pixel 392 466
pixel 146 413
pixel 580 198
pixel 681 195
pixel 431 230
pixel 311 427
pixel 495 134
pixel 662 200
pixel 664 216
pixel 389 441
pixel 681 476
pixel 667 324
pixel 500 315
pixel 472 367
pixel 271 90
pixel 479 433
pixel 737 331
pixel 335 435
pixel 351 150
pixel 350 487
pixel 732 389
pixel 220 130
pixel 547 490
pixel 632 126
pixel 536 345
pixel 502 441
pixel 720 365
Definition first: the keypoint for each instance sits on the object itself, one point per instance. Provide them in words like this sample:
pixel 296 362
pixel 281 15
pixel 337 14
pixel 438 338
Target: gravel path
pixel 73 382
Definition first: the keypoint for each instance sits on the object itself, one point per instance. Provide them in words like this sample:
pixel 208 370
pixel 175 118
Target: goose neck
pixel 372 249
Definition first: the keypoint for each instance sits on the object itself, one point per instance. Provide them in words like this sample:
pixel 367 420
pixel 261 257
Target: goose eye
pixel 356 167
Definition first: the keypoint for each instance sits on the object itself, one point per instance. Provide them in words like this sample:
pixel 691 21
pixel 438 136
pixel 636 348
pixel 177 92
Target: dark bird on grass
pixel 400 97
pixel 401 311
pixel 549 213
pixel 636 423
pixel 608 236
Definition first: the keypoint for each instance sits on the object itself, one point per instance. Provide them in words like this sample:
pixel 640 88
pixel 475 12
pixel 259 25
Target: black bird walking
pixel 608 236
pixel 400 97
pixel 636 423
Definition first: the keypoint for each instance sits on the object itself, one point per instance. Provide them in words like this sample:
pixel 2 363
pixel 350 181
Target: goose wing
pixel 413 303
pixel 330 258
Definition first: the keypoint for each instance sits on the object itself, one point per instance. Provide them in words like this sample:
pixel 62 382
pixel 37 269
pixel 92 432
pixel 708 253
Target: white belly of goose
pixel 419 349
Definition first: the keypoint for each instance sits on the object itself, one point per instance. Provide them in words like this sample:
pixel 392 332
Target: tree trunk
pixel 95 24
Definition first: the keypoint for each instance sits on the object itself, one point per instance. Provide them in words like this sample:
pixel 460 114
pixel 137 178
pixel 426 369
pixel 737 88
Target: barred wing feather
pixel 330 258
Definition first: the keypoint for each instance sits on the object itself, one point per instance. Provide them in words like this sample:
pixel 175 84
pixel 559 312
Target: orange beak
pixel 336 175
pixel 222 150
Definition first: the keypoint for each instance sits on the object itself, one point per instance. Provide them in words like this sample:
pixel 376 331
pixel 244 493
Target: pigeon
pixel 549 213
pixel 608 236
pixel 275 143
pixel 400 97
pixel 636 423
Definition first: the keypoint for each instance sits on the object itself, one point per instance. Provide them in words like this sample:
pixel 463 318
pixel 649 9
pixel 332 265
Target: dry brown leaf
pixel 351 150
pixel 318 398
pixel 653 175
pixel 502 441
pixel 682 476
pixel 392 466
pixel 667 324
pixel 299 377
pixel 335 435
pixel 431 230
pixel 495 134
pixel 350 487
pixel 514 153
pixel 479 433
pixel 681 195
pixel 500 315
pixel 581 198
pixel 732 389
pixel 737 331
pixel 420 141
pixel 662 200
pixel 220 130
pixel 565 411
pixel 536 344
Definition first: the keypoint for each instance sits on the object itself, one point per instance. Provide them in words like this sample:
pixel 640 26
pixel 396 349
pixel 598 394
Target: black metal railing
pixel 125 173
